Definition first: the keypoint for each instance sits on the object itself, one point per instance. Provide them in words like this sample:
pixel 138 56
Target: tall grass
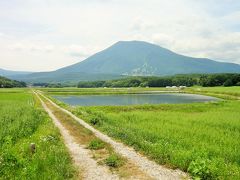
pixel 200 138
pixel 23 122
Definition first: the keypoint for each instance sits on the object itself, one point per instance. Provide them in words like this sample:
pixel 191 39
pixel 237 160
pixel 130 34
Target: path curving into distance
pixel 149 167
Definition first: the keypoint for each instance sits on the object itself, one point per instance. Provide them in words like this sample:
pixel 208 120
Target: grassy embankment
pixel 22 122
pixel 85 91
pixel 232 93
pixel 200 138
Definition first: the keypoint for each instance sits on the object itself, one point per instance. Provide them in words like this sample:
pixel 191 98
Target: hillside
pixel 8 83
pixel 131 58
pixel 4 72
pixel 142 58
pixel 62 77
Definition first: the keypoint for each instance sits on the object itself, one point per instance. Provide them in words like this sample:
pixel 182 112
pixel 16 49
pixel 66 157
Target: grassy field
pixel 232 91
pixel 22 122
pixel 200 138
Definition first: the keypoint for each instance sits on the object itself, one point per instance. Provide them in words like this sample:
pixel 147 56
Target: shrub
pixel 114 161
pixel 96 144
pixel 200 168
pixel 95 120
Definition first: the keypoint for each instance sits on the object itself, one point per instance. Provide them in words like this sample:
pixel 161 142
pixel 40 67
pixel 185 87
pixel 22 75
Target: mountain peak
pixel 129 57
pixel 136 46
pixel 143 59
pixel 134 42
pixel 131 41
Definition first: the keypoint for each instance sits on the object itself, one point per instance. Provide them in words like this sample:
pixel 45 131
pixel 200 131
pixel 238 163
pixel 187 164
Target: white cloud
pixel 29 47
pixel 34 34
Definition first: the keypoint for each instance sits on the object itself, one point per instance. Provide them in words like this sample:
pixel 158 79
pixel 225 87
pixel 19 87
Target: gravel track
pixel 90 170
pixel 149 167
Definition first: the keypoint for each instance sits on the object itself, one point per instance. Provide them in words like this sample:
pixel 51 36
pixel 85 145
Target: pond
pixel 131 99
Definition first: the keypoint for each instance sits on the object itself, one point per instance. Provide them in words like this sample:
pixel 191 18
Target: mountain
pixel 4 72
pixel 132 58
pixel 142 58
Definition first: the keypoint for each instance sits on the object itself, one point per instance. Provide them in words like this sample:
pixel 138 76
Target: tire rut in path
pixel 81 156
pixel 149 167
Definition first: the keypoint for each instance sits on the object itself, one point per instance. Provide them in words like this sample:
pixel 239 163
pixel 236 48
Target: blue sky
pixel 43 35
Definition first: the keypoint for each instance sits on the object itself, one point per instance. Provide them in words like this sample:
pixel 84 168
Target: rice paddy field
pixel 199 138
pixel 202 139
pixel 22 122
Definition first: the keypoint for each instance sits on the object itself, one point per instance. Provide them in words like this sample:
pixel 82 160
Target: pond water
pixel 128 99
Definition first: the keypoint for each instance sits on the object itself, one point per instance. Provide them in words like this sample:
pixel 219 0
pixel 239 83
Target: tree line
pixel 205 80
pixel 54 85
pixel 8 83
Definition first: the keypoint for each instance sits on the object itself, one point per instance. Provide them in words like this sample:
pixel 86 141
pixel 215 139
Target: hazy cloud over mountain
pixel 41 35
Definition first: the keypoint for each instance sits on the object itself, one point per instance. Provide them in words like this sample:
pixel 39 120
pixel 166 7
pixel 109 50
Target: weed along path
pixel 81 155
pixel 148 168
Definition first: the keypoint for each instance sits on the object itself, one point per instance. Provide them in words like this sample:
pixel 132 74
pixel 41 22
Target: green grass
pixel 179 136
pixel 96 144
pixel 199 138
pixel 114 160
pixel 22 122
pixel 233 91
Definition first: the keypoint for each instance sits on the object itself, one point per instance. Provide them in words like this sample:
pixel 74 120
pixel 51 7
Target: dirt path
pixel 81 156
pixel 149 167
